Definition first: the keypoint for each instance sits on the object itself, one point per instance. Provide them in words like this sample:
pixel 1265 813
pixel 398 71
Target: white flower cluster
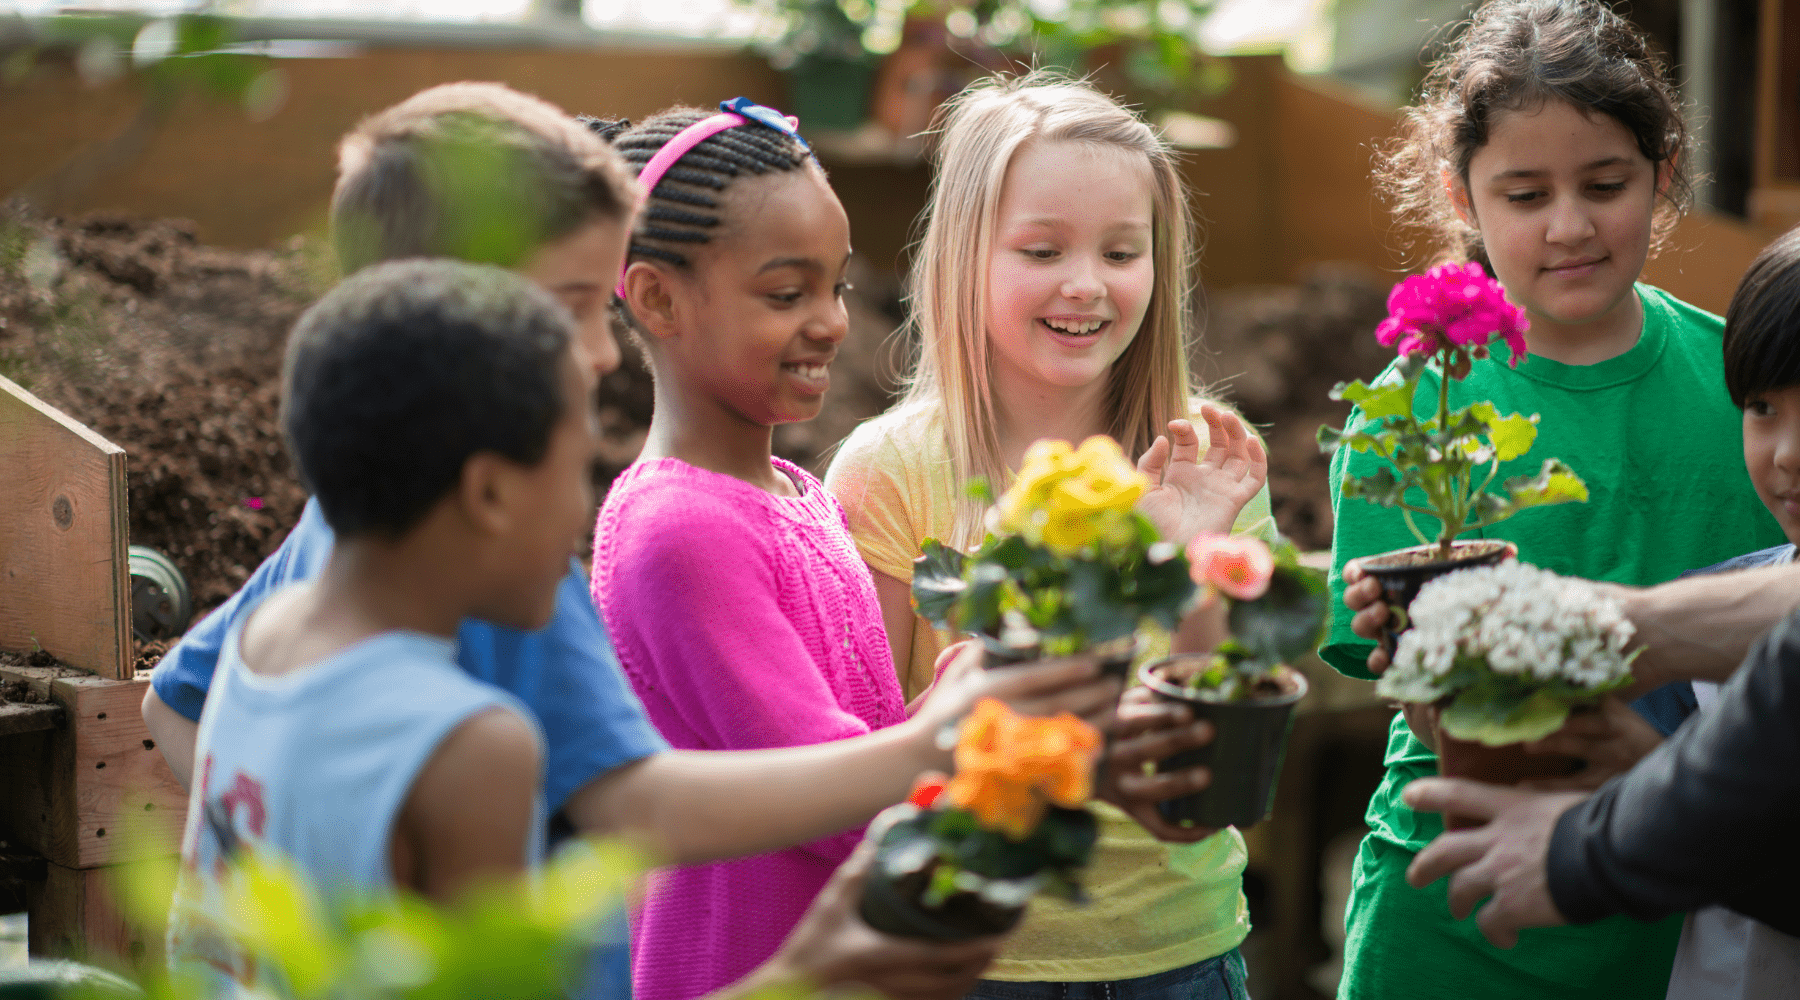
pixel 1516 619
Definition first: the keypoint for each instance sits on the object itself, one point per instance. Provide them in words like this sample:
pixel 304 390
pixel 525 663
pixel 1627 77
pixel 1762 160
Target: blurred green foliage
pixel 513 941
pixel 1153 44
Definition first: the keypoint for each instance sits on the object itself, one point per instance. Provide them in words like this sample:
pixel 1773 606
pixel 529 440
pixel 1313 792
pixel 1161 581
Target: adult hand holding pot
pixel 1362 595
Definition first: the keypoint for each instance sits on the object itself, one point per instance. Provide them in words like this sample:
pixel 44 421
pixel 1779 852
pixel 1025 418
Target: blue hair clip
pixel 766 115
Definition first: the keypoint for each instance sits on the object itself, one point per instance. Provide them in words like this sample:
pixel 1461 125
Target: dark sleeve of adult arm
pixel 1711 817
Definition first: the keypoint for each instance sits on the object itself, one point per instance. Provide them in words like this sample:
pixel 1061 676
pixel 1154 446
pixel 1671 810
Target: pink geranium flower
pixel 1240 567
pixel 1451 305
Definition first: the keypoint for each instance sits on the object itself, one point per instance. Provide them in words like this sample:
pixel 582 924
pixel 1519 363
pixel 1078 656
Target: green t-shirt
pixel 1657 440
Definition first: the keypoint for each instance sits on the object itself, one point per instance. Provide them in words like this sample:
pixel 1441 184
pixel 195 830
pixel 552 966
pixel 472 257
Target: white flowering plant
pixel 1510 650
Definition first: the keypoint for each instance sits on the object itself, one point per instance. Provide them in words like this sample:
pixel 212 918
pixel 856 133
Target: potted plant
pixel 821 46
pixel 979 845
pixel 1274 610
pixel 1068 564
pixel 1506 652
pixel 1449 315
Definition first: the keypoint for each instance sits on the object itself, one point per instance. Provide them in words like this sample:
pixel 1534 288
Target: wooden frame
pixel 64 573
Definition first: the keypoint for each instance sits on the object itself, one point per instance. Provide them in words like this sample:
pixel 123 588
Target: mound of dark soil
pixel 172 350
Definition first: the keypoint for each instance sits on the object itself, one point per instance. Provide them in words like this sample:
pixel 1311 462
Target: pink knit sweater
pixel 744 620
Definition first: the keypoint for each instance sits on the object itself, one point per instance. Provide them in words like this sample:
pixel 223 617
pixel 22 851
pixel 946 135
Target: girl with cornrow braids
pixel 741 612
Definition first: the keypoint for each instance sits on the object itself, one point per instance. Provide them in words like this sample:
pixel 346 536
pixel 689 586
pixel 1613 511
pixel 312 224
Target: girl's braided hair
pixel 1515 55
pixel 683 208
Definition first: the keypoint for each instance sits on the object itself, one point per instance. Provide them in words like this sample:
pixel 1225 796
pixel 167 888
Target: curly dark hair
pixel 1517 54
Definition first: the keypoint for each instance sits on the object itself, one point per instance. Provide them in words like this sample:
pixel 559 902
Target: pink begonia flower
pixel 1240 567
pixel 1451 305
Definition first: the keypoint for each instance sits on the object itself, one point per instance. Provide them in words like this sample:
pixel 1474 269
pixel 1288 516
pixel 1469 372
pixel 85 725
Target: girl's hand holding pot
pixel 1148 731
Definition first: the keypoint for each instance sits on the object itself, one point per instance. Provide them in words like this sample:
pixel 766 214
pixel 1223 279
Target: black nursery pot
pixel 1403 572
pixel 1249 742
pixel 893 904
pixel 1115 655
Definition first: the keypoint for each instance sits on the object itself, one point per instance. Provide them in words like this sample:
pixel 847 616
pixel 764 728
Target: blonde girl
pixel 1051 300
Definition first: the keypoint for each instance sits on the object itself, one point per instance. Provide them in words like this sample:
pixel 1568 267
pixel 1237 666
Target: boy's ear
pixel 489 492
pixel 650 293
pixel 1458 192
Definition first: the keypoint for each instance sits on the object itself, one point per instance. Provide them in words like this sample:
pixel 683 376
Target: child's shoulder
pixel 907 433
pixel 1679 316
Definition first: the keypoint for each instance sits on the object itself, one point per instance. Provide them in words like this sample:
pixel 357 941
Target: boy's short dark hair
pixel 473 171
pixel 1762 324
pixel 405 370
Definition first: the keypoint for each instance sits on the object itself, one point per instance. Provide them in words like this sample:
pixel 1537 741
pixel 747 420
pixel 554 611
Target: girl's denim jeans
pixel 1219 978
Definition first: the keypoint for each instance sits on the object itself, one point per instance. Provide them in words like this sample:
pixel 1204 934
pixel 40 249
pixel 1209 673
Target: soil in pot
pixel 1509 764
pixel 1249 742
pixel 893 906
pixel 1404 571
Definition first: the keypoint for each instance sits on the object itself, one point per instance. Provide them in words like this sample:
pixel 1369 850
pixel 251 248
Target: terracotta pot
pixel 1501 765
pixel 1403 572
pixel 1249 742
pixel 892 906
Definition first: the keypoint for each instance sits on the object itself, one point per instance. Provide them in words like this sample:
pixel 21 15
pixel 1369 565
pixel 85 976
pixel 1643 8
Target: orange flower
pixel 1240 567
pixel 1010 767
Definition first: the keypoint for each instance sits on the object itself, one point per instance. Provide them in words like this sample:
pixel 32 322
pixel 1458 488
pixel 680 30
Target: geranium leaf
pixel 1554 483
pixel 1512 436
pixel 1378 401
pixel 1379 488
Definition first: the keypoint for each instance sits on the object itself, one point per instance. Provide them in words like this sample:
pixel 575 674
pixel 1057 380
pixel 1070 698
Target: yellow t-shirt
pixel 1155 906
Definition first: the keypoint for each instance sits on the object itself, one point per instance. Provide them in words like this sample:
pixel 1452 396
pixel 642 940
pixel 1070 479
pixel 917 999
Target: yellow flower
pixel 1067 498
pixel 1009 767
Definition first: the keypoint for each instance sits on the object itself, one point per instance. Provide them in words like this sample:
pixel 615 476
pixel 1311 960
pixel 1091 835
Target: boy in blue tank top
pixel 438 412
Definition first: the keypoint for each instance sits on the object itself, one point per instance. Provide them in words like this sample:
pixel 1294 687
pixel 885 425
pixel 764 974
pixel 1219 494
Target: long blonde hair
pixel 982 128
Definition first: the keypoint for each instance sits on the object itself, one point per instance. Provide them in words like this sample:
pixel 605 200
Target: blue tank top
pixel 313 766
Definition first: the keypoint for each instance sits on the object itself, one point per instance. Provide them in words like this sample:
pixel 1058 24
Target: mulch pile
pixel 172 350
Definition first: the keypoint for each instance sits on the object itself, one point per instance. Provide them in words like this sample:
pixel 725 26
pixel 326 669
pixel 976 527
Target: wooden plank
pixel 73 791
pixel 20 718
pixel 71 914
pixel 64 574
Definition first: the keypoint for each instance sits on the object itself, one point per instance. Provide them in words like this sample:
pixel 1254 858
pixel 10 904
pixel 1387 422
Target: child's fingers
pixel 1186 441
pixel 1259 458
pixel 1152 463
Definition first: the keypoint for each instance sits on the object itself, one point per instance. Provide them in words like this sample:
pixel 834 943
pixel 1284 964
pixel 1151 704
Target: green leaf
pixel 1380 487
pixel 1331 439
pixel 1378 401
pixel 1512 436
pixel 1287 622
pixel 1496 715
pixel 1554 483
pixel 937 583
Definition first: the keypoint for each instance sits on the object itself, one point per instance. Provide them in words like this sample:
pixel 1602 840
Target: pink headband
pixel 674 150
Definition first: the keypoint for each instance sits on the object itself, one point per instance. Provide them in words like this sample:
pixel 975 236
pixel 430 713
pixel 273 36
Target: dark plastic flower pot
pixel 1116 655
pixel 892 906
pixel 1249 742
pixel 1403 572
pixel 1502 765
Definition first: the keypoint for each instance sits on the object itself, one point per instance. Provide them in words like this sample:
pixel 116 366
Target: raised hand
pixel 1191 493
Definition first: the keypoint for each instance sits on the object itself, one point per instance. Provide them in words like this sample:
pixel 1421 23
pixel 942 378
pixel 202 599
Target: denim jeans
pixel 1219 978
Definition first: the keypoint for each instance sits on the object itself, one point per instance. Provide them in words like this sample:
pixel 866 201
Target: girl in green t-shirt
pixel 1548 145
